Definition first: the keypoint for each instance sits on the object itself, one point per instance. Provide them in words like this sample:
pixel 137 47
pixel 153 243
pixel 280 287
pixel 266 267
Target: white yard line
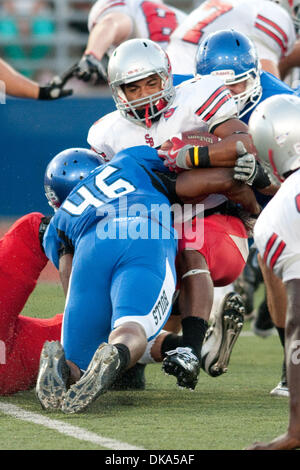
pixel 67 429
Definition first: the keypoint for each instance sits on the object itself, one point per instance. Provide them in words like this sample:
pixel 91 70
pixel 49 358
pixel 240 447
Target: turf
pixel 228 412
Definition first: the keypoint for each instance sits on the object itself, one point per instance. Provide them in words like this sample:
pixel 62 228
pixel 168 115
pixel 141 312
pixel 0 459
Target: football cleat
pixel 281 390
pixel 184 365
pixel 222 335
pixel 53 375
pixel 97 379
pixel 248 282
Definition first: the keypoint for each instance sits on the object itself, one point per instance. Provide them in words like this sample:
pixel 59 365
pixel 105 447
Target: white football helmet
pixel 293 8
pixel 134 60
pixel 274 126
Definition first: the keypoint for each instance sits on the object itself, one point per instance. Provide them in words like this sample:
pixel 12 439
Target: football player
pixel 112 22
pixel 232 56
pixel 269 25
pixel 274 128
pixel 122 279
pixel 150 111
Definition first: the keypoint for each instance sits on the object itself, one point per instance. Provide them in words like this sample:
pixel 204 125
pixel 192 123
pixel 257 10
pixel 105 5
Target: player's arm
pixel 111 30
pixel 223 153
pixel 65 268
pixel 292 60
pixel 16 84
pixel 198 183
pixel 22 87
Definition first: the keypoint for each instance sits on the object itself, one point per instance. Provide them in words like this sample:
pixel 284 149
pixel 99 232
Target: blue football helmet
pixel 66 170
pixel 232 56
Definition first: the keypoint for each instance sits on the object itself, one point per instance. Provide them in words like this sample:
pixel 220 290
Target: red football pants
pixel 223 242
pixel 21 338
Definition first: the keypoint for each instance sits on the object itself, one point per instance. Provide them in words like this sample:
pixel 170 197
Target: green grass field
pixel 228 412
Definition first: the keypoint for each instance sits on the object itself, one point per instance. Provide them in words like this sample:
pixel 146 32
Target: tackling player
pixel 122 278
pixel 151 111
pixel 274 128
pixel 112 22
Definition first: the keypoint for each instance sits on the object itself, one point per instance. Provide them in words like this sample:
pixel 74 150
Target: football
pixel 196 137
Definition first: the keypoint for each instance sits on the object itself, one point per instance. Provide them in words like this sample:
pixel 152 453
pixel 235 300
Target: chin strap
pixel 147 120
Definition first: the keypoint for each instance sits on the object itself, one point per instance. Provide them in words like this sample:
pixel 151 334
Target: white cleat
pixel 281 390
pixel 97 379
pixel 222 335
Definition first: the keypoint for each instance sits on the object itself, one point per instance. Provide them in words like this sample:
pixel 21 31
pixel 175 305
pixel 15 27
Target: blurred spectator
pixel 22 19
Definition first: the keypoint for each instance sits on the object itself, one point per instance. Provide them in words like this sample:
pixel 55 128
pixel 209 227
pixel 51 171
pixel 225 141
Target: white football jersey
pixel 199 104
pixel 150 19
pixel 266 23
pixel 277 230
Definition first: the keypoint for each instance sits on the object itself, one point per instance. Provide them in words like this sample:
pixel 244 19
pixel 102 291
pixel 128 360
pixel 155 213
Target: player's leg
pixel 218 262
pixel 88 316
pixel 21 262
pixel 142 287
pixel 277 305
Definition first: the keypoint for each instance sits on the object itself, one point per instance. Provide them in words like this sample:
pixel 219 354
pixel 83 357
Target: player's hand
pixel 54 90
pixel 245 166
pixel 248 170
pixel 90 67
pixel 175 157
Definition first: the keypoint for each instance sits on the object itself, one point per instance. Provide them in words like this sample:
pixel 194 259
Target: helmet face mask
pixel 233 57
pixel 274 127
pixel 136 60
pixel 65 171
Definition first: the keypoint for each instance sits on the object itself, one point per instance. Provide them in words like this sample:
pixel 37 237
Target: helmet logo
pixel 280 139
pixel 167 114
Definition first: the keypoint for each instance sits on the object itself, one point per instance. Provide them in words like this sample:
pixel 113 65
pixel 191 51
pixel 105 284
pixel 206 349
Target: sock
pixel 169 343
pixel 281 332
pixel 124 356
pixel 193 333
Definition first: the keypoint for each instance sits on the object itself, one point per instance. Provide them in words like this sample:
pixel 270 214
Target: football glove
pixel 54 90
pixel 248 170
pixel 175 157
pixel 89 67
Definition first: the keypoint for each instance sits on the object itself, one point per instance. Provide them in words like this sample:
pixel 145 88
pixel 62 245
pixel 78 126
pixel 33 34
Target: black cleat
pixel 222 335
pixel 248 282
pixel 184 365
pixel 53 376
pixel 132 379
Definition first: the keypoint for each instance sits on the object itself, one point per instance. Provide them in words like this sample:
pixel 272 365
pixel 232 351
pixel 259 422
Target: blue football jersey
pixel 127 182
pixel 271 86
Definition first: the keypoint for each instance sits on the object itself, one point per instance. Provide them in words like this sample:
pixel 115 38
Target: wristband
pixel 199 157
